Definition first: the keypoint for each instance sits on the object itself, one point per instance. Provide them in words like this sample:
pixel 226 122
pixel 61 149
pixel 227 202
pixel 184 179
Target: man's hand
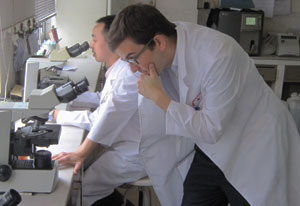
pixel 69 159
pixel 55 114
pixel 76 158
pixel 150 87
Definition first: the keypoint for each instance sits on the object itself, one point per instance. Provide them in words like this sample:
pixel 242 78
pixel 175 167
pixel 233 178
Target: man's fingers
pixel 77 168
pixel 152 70
pixel 57 156
pixel 139 82
pixel 64 159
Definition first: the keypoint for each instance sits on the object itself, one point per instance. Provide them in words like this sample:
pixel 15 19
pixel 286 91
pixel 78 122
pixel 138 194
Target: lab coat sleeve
pixel 219 93
pixel 87 99
pixel 116 111
pixel 81 119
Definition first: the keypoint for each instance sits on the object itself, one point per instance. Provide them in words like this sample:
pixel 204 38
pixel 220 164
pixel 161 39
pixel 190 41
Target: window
pixel 44 9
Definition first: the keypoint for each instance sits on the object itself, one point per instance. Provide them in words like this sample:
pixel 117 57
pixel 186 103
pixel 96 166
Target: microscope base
pixel 32 180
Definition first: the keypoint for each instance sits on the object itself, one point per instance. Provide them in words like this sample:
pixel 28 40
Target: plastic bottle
pixel 294 107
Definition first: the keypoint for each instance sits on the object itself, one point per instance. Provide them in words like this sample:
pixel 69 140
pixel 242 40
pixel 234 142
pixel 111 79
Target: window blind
pixel 44 9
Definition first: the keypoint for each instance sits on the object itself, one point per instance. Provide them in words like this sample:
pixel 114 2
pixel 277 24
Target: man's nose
pixel 134 68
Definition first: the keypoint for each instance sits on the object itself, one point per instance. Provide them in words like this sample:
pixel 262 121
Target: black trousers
pixel 114 199
pixel 206 185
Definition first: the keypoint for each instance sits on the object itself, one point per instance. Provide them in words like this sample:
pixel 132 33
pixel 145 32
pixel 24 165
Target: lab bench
pixel 281 73
pixel 70 139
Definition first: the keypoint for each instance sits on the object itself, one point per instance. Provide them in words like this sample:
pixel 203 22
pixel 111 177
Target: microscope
pixel 67 52
pixel 36 173
pixel 43 72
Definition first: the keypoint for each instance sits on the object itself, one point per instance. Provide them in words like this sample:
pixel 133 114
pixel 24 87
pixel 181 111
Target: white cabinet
pixel 281 73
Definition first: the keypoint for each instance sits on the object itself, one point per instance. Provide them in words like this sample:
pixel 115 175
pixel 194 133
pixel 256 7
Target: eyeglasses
pixel 134 59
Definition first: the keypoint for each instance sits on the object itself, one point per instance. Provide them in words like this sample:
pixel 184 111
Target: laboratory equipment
pixel 39 172
pixel 42 72
pixel 65 53
pixel 287 45
pixel 10 198
pixel 244 25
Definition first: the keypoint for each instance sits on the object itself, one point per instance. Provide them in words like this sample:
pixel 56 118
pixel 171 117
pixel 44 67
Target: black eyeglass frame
pixel 134 59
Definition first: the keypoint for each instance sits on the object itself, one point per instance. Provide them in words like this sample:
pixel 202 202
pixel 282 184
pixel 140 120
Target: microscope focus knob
pixel 5 173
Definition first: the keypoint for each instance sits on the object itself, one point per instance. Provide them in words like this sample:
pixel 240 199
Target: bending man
pixel 247 144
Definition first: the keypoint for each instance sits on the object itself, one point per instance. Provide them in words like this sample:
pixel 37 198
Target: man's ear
pixel 160 41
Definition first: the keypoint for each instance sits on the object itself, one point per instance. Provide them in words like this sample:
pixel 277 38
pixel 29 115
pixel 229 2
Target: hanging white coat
pixel 241 125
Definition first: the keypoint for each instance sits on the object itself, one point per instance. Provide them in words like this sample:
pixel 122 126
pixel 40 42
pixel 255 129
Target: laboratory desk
pixel 278 70
pixel 70 138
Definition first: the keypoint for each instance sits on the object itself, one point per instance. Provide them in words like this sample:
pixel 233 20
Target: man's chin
pixel 97 59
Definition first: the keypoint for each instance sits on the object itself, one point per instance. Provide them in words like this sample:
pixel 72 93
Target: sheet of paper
pixel 69 68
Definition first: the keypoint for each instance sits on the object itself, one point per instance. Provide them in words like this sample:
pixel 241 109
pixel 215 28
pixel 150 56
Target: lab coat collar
pixel 175 59
pixel 113 70
pixel 180 52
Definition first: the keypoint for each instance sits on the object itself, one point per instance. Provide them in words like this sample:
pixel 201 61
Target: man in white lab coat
pixel 247 144
pixel 115 124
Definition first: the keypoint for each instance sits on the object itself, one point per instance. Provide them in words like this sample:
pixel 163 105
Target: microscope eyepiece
pixel 70 91
pixel 81 86
pixel 5 173
pixel 77 49
pixel 10 198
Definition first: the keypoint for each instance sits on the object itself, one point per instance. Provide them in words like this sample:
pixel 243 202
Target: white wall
pixel 6 61
pixel 116 5
pixel 288 23
pixel 178 10
pixel 13 11
pixel 76 18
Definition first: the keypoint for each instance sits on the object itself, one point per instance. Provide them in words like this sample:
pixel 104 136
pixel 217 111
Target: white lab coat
pixel 115 123
pixel 82 118
pixel 166 158
pixel 241 125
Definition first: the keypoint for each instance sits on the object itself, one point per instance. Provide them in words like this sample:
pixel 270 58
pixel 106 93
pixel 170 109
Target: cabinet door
pixel 268 72
pixel 292 74
pixel 291 82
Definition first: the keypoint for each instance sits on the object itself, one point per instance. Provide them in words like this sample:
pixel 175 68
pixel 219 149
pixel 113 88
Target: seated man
pixel 115 124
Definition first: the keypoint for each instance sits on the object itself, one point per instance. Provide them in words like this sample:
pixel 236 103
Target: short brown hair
pixel 140 23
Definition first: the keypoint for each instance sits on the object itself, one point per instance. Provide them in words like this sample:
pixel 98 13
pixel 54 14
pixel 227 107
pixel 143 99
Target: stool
pixel 144 187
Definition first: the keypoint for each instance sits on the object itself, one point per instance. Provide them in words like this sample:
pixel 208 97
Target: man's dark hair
pixel 107 21
pixel 140 23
